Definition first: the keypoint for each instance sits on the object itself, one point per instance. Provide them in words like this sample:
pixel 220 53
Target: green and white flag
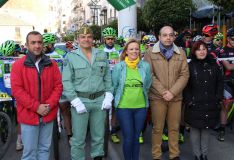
pixel 2 2
pixel 121 4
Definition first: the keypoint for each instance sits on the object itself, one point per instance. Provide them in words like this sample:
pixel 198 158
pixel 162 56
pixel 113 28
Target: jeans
pixel 131 123
pixel 36 141
pixel 199 140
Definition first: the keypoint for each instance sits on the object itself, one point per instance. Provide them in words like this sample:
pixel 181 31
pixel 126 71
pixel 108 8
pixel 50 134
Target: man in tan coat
pixel 170 76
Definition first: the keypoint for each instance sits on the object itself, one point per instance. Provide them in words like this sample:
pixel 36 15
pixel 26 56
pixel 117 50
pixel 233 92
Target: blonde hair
pixel 124 54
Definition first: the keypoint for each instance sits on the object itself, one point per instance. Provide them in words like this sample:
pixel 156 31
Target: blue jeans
pixel 131 123
pixel 36 141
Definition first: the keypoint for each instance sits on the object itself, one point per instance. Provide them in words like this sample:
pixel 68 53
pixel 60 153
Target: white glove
pixel 79 106
pixel 106 104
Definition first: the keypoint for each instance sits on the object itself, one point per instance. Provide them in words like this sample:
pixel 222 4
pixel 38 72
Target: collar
pixel 156 48
pixel 94 53
pixel 109 47
pixel 52 50
pixel 164 49
pixel 31 60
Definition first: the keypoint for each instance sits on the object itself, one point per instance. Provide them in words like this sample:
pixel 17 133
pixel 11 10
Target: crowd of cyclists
pixel 210 38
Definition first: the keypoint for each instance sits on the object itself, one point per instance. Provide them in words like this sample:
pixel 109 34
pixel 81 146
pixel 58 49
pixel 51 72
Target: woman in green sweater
pixel 131 79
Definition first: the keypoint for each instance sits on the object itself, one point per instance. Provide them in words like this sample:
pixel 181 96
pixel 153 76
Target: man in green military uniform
pixel 87 85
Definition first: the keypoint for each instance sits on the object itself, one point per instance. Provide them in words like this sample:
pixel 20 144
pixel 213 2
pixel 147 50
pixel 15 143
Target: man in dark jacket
pixel 37 86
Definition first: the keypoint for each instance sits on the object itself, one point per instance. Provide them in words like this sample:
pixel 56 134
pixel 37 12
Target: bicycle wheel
pixel 5 133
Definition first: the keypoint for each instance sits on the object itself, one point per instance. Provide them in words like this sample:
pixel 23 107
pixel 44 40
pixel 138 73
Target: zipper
pixel 124 69
pixel 39 89
pixel 168 65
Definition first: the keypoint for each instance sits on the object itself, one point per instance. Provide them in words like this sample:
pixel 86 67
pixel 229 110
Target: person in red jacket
pixel 37 86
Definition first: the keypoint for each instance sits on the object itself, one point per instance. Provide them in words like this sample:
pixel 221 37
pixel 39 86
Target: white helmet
pixel 197 38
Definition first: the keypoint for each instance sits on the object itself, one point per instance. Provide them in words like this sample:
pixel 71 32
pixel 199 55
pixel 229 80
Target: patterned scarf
pixel 168 53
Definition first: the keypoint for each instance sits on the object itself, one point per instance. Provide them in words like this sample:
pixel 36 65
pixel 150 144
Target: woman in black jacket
pixel 202 95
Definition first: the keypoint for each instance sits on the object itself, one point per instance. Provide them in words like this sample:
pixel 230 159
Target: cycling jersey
pixel 113 54
pixel 5 68
pixel 227 52
pixel 56 53
pixel 143 48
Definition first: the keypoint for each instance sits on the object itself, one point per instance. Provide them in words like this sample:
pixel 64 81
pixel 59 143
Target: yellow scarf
pixel 132 64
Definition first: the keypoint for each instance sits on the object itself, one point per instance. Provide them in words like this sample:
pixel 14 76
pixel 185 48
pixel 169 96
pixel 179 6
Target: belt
pixel 90 96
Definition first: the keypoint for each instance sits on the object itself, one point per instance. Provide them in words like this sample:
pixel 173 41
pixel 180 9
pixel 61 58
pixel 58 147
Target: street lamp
pixel 104 12
pixel 94 5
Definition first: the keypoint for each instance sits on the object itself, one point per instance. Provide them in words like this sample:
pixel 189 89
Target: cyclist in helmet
pixel 19 144
pixel 49 40
pixel 208 33
pixel 184 40
pixel 218 41
pixel 144 44
pixel 7 48
pixel 120 41
pixel 227 52
pixel 65 105
pixel 113 52
pixel 18 51
pixel 69 45
pixel 145 39
pixel 197 38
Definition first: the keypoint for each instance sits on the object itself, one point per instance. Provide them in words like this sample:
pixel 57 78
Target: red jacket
pixel 31 88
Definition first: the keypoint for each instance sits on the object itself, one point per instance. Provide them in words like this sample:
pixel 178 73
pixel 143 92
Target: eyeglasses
pixel 218 39
pixel 188 37
pixel 109 38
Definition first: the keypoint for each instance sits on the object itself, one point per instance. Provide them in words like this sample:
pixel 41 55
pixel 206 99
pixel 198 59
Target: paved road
pixel 217 151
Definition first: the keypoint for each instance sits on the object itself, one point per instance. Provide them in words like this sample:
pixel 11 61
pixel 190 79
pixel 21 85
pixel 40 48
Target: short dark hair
pixel 197 45
pixel 32 33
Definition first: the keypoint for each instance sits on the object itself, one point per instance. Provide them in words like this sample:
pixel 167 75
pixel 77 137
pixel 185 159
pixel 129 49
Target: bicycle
pixel 5 126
